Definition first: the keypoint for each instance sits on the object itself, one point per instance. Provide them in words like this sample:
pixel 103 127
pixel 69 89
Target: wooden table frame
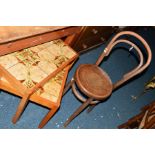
pixel 27 94
pixel 8 46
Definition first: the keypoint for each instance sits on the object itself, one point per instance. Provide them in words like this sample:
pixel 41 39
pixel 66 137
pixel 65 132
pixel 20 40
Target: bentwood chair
pixel 95 83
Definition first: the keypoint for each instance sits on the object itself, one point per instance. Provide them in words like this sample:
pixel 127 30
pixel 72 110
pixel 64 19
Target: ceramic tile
pixel 30 66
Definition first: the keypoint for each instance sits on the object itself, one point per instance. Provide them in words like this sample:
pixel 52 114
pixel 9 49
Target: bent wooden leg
pixel 48 117
pixel 20 108
pixel 68 85
pixel 78 111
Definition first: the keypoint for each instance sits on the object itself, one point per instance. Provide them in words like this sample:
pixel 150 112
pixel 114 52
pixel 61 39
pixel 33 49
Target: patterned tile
pixel 30 66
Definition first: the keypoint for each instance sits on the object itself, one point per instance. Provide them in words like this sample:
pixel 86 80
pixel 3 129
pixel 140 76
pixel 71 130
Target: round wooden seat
pixel 93 81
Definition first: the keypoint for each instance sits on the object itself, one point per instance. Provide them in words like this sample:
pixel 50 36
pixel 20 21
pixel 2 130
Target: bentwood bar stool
pixel 95 83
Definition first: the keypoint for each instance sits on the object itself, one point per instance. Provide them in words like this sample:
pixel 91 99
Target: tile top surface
pixel 30 66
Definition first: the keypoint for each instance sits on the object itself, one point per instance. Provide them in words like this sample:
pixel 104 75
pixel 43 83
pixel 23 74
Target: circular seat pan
pixel 93 81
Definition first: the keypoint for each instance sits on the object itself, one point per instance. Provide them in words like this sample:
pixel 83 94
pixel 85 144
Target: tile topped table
pixel 37 73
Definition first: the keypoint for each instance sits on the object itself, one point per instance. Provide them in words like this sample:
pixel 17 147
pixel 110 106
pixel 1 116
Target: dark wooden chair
pixel 95 83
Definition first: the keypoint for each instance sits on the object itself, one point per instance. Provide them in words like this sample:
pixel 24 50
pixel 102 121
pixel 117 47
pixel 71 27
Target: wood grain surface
pixel 10 33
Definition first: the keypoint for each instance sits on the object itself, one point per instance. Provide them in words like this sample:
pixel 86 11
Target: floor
pixel 108 114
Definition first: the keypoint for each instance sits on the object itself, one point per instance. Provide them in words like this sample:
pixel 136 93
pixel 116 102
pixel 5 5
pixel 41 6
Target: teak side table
pixel 37 73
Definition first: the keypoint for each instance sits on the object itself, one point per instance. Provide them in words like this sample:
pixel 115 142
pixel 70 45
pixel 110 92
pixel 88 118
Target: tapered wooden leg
pixel 68 85
pixel 48 117
pixel 90 108
pixel 20 108
pixel 78 111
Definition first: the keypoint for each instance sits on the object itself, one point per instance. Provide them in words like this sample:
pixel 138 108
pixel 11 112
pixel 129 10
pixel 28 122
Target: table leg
pixel 20 108
pixel 48 117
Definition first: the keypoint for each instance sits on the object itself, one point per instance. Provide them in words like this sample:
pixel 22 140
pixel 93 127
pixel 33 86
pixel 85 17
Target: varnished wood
pixel 38 85
pixel 20 108
pixel 12 33
pixel 92 36
pixel 132 122
pixel 68 85
pixel 34 98
pixel 51 113
pixel 48 117
pixel 137 70
pixel 78 111
pixel 27 94
pixel 71 39
pixel 24 101
pixel 144 120
pixel 54 108
pixel 15 45
pixel 12 80
pixel 94 83
pixel 63 83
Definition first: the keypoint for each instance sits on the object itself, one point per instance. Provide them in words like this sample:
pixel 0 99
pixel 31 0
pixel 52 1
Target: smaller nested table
pixel 38 74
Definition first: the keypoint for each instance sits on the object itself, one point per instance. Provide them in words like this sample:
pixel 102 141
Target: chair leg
pixel 47 117
pixel 20 108
pixel 68 85
pixel 78 111
pixel 90 108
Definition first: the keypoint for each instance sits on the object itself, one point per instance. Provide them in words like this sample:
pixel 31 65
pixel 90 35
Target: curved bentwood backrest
pixel 140 68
